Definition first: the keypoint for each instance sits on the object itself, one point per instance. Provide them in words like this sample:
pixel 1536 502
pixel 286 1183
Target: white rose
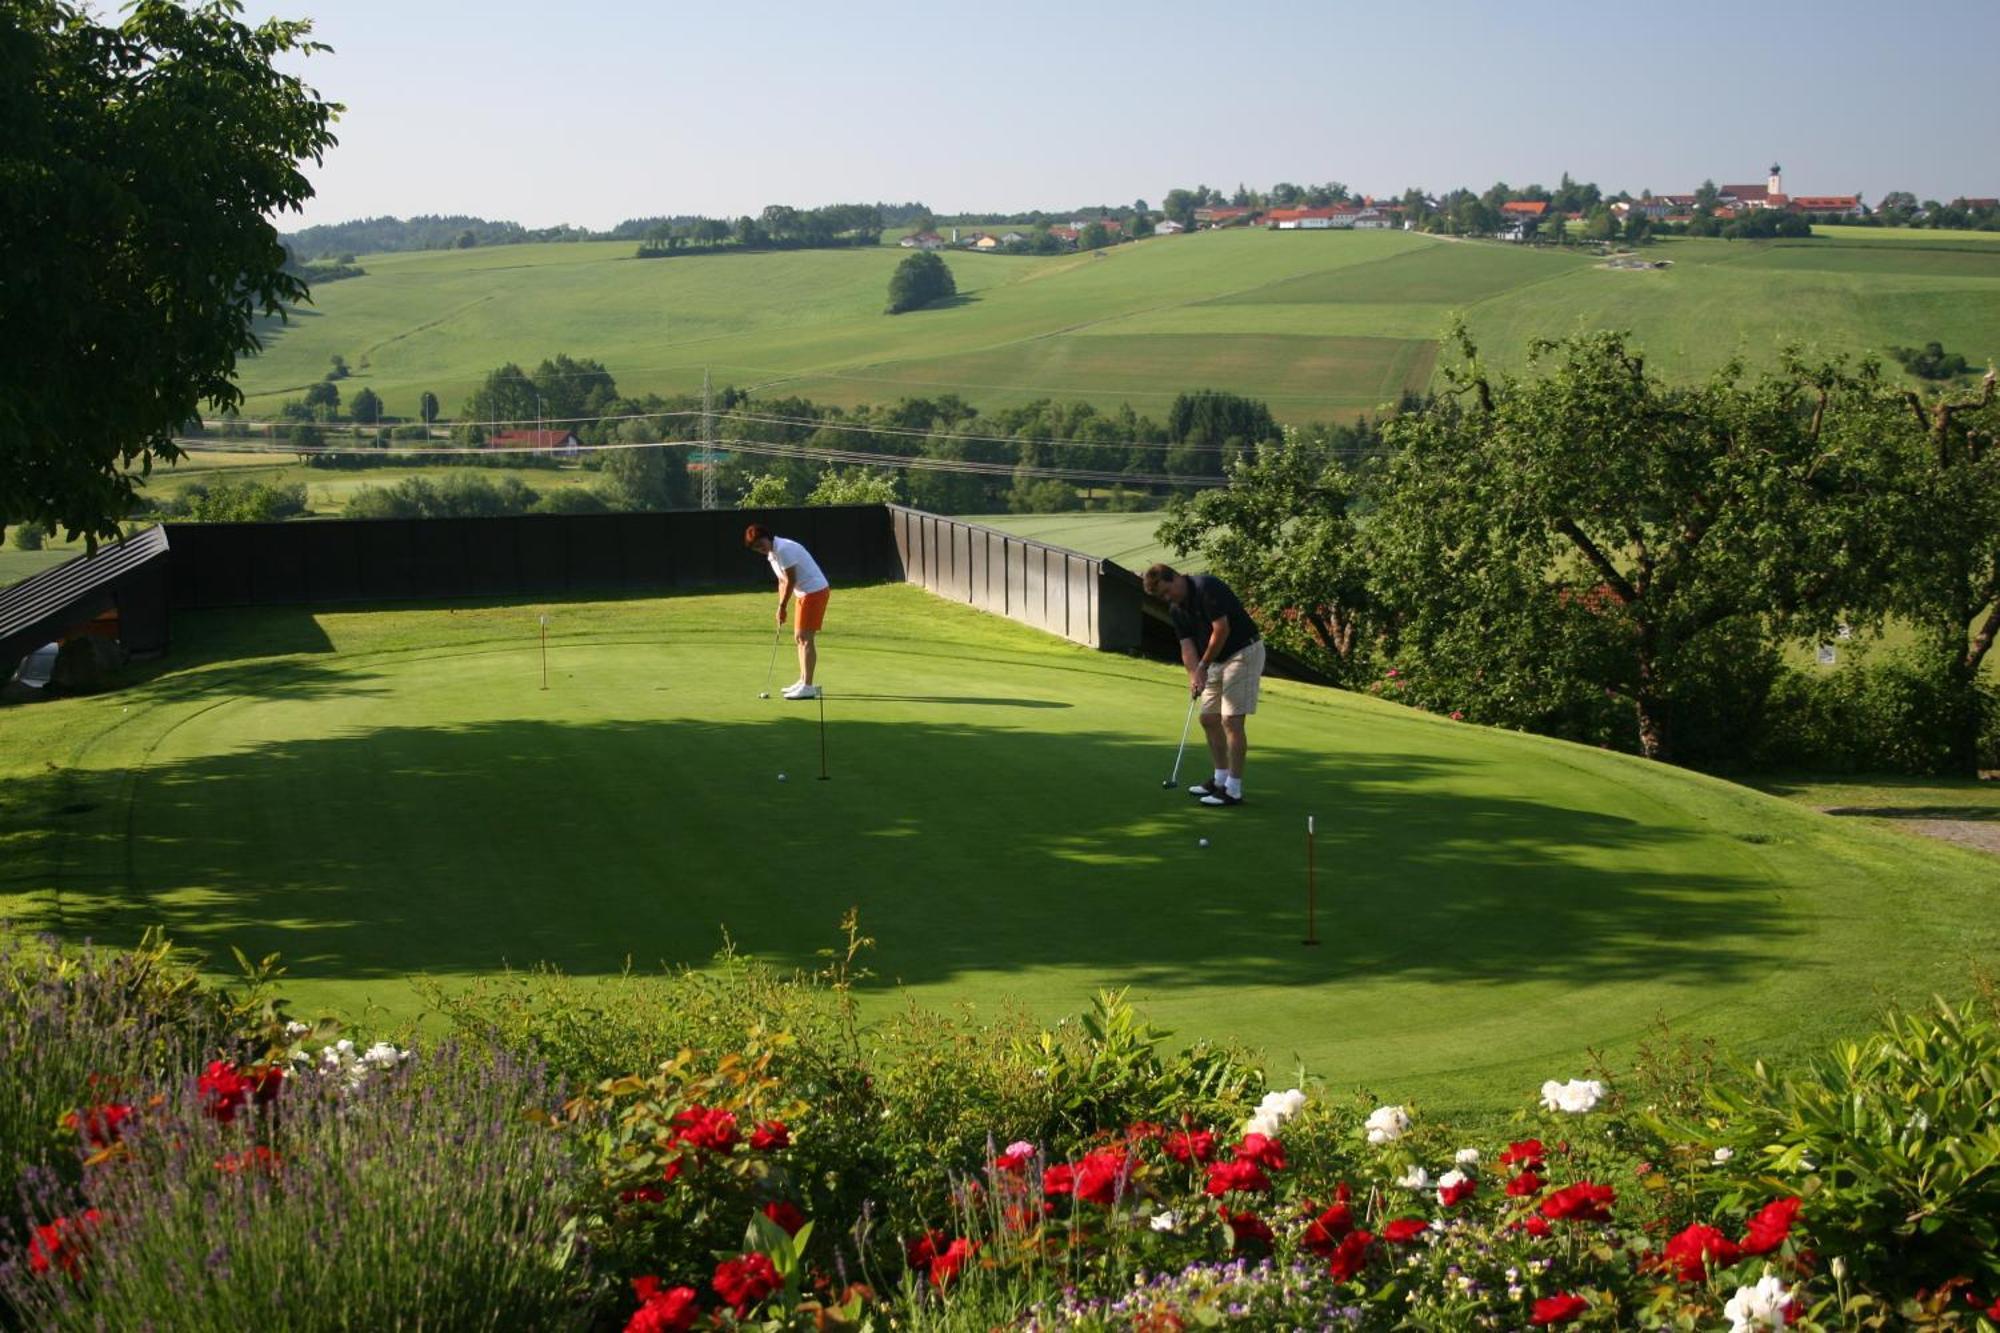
pixel 1761 1306
pixel 1723 1154
pixel 1574 1097
pixel 1416 1178
pixel 1386 1124
pixel 1467 1157
pixel 1165 1220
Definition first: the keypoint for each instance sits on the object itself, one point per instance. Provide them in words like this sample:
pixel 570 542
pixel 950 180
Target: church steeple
pixel 1777 179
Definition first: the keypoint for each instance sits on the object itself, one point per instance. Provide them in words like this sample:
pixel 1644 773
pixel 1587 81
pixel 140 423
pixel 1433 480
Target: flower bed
pixel 944 1176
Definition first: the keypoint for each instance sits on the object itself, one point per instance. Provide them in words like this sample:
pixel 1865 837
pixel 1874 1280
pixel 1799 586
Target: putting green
pixel 375 794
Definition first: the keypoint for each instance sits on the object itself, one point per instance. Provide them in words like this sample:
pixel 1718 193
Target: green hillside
pixel 1321 324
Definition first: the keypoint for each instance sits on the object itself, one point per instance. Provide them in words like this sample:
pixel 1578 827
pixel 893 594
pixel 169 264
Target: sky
pixel 596 112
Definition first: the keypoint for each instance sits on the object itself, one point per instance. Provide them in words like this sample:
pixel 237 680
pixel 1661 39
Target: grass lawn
pixel 375 793
pixel 1126 538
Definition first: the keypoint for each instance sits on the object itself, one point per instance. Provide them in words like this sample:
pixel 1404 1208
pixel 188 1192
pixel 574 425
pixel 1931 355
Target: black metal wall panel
pixel 544 551
pixel 331 558
pixel 436 559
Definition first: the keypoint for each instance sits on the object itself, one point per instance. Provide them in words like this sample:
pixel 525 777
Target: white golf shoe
pixel 801 690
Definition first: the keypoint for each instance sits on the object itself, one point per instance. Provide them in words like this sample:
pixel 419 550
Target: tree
pixel 1596 539
pixel 427 407
pixel 1601 225
pixel 336 367
pixel 366 407
pixel 854 486
pixel 920 280
pixel 158 258
pixel 1945 488
pixel 466 240
pixel 1180 205
pixel 323 399
pixel 1282 536
pixel 766 491
pixel 1093 237
pixel 645 479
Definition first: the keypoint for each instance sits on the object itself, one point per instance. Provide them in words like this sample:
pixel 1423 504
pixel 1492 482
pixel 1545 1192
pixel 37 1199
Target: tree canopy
pixel 139 163
pixel 920 280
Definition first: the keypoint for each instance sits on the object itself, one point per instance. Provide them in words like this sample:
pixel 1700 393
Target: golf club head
pixel 1166 782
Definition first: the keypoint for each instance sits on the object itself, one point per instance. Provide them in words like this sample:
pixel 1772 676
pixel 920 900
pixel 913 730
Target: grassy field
pixel 1323 325
pixel 1126 538
pixel 381 793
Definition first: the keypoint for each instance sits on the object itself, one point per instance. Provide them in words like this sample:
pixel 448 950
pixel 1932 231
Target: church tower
pixel 1777 179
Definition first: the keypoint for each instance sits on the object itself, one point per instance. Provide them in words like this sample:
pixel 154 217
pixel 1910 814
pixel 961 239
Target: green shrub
pixel 1887 716
pixel 26 536
pixel 1892 1141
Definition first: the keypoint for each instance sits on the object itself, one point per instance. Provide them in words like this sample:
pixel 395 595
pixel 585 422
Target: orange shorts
pixel 810 612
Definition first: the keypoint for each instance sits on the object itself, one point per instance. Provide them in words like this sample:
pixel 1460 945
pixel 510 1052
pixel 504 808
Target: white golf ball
pixel 1202 843
pixel 781 777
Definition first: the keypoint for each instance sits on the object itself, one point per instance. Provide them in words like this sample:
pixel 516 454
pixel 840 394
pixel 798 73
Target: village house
pixel 560 440
pixel 1521 218
pixel 1223 217
pixel 922 240
pixel 1168 227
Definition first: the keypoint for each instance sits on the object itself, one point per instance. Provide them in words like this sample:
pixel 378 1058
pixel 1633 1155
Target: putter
pixel 777 636
pixel 1175 776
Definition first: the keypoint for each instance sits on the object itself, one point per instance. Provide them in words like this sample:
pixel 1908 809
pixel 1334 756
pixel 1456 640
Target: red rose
pixel 1559 1309
pixel 1581 1202
pixel 1191 1148
pixel 1453 1195
pixel 1523 1185
pixel 644 1194
pixel 1993 1312
pixel 1536 1225
pixel 1247 1228
pixel 771 1136
pixel 670 1311
pixel 1264 1151
pixel 921 1251
pixel 745 1281
pixel 1351 1257
pixel 265 1081
pixel 100 1125
pixel 223 1090
pixel 1768 1229
pixel 1059 1179
pixel 1527 1154
pixel 62 1244
pixel 672 1171
pixel 1241 1177
pixel 948 1263
pixel 1100 1176
pixel 1324 1232
pixel 1405 1230
pixel 714 1130
pixel 1141 1130
pixel 1690 1253
pixel 787 1215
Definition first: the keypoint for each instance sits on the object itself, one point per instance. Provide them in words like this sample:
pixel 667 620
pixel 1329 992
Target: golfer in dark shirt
pixel 1224 658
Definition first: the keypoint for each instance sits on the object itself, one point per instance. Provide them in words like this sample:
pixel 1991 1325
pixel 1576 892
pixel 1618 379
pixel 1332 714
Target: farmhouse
pixel 1522 218
pixel 922 240
pixel 1840 205
pixel 1223 217
pixel 1168 227
pixel 554 439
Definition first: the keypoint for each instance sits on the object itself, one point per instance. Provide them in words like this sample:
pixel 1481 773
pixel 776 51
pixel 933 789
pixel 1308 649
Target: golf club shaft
pixel 777 637
pixel 1186 723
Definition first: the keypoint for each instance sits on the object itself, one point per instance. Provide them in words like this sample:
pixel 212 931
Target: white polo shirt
pixel 788 554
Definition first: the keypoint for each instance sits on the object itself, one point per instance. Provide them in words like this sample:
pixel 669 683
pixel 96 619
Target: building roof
pixel 549 438
pixel 50 603
pixel 1748 194
pixel 1817 203
pixel 1527 208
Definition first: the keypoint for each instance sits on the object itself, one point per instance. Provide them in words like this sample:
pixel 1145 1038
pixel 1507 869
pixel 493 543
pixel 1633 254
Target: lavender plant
pixel 421 1198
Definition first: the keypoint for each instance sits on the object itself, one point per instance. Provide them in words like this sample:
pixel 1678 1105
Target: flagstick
pixel 822 736
pixel 1312 889
pixel 545 651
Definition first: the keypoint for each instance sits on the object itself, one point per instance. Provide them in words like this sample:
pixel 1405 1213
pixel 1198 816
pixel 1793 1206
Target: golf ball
pixel 1202 842
pixel 781 777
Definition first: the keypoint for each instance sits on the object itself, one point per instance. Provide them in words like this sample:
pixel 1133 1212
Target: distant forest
pixel 457 232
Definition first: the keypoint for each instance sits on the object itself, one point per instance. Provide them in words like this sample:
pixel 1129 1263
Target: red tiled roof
pixel 1527 208
pixel 1747 193
pixel 1814 203
pixel 530 439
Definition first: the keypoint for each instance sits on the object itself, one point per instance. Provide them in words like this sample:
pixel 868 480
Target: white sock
pixel 1235 787
pixel 1221 777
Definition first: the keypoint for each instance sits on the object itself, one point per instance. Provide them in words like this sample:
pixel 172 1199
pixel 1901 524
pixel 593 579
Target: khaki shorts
pixel 1232 683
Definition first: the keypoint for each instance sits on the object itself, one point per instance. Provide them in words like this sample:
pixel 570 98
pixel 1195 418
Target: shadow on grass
pixel 1974 812
pixel 979 847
